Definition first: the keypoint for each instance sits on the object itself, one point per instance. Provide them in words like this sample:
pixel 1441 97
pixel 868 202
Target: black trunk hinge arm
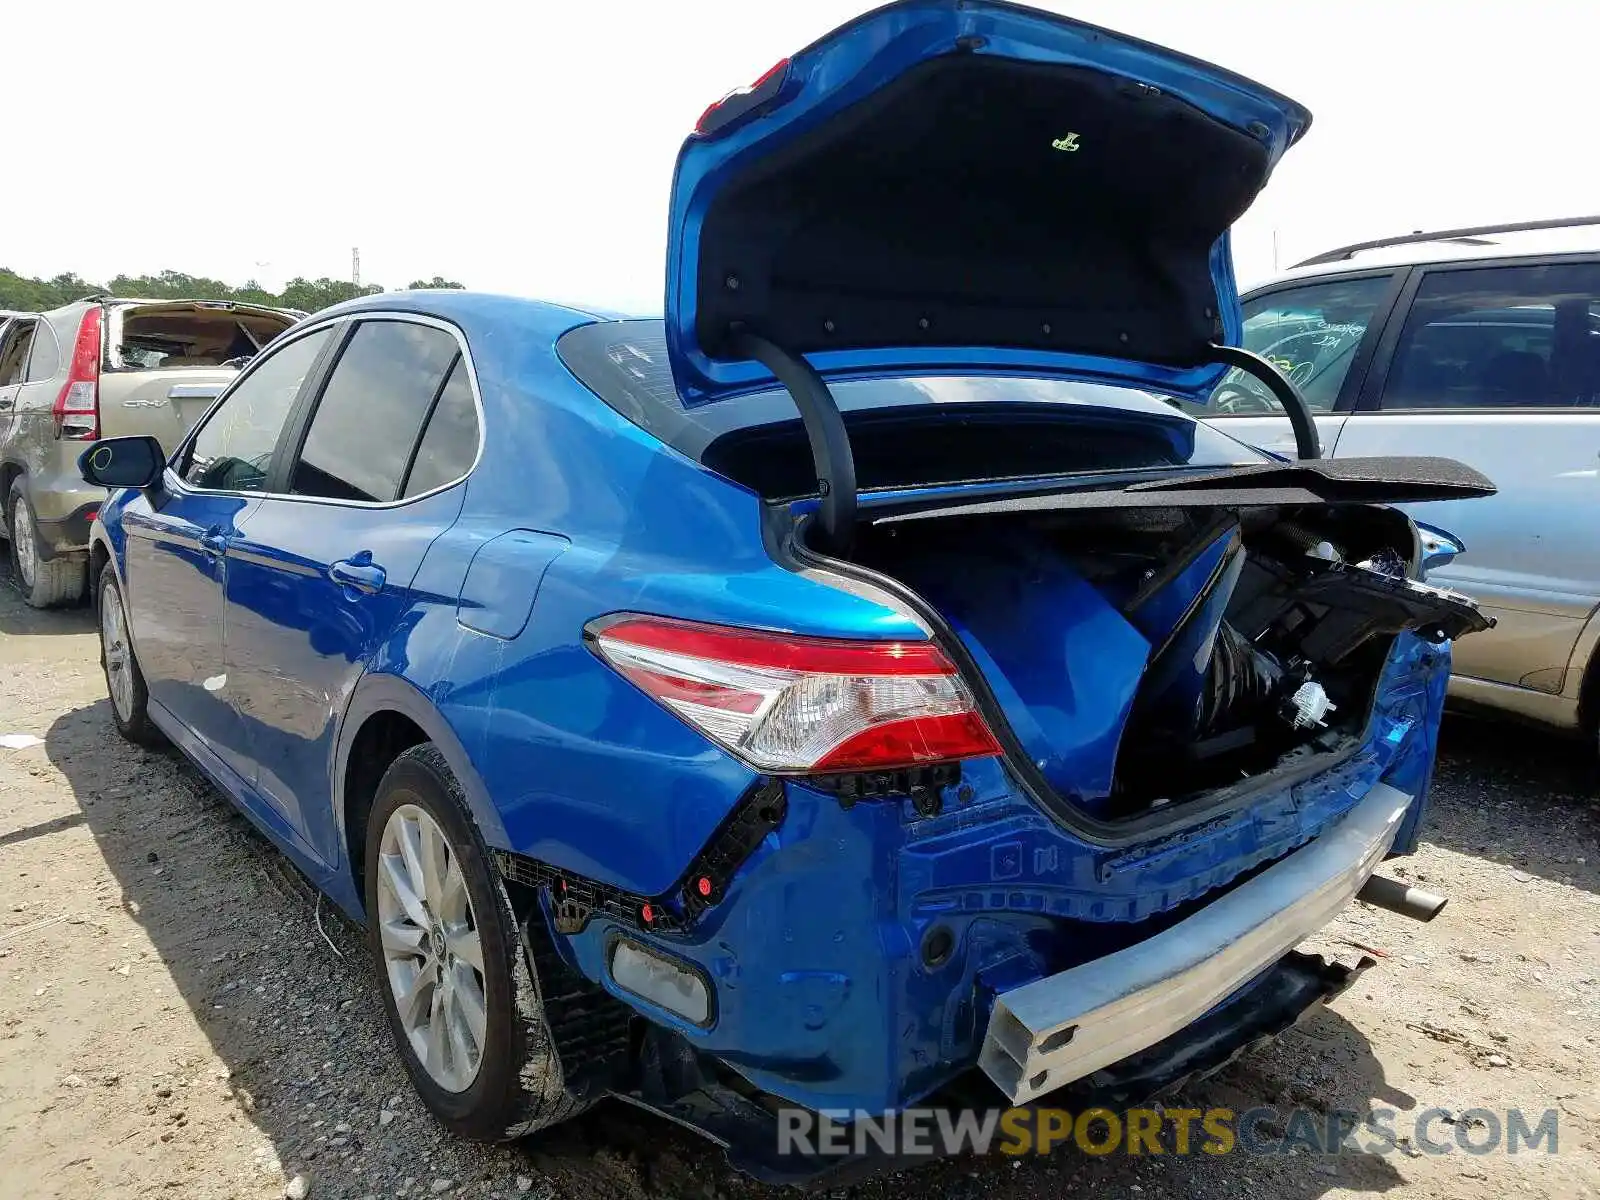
pixel 1307 443
pixel 830 442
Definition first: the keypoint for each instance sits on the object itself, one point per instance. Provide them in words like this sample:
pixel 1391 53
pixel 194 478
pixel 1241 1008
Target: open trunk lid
pixel 943 185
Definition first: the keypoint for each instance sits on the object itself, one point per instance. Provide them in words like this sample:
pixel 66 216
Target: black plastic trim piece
pixel 591 1029
pixel 921 784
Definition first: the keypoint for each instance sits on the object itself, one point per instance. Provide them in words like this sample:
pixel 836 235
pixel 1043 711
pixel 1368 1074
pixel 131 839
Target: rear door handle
pixel 212 541
pixel 363 576
pixel 5 405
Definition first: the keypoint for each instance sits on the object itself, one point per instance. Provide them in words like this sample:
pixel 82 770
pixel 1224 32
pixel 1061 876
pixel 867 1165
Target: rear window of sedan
pixel 904 430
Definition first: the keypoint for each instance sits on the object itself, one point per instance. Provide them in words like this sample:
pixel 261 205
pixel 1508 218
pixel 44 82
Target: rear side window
pixel 14 353
pixel 1310 334
pixel 46 358
pixel 1500 337
pixel 233 450
pixel 367 424
pixel 450 442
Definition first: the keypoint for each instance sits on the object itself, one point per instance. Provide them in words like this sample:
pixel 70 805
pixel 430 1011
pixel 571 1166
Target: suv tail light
pixel 789 704
pixel 77 409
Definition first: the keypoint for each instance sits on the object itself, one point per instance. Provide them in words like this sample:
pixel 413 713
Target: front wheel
pixel 124 680
pixel 461 998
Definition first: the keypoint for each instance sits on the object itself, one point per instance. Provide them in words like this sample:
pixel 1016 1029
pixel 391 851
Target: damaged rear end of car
pixel 1169 702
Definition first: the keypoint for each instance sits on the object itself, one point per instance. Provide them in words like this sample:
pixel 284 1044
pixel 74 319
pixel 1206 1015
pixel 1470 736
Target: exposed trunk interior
pixel 188 333
pixel 1144 656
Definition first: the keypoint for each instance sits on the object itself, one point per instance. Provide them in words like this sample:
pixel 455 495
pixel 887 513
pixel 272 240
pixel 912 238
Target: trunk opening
pixel 1152 657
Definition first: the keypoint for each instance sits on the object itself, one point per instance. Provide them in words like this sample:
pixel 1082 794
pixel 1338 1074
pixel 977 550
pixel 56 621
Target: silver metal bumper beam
pixel 1050 1032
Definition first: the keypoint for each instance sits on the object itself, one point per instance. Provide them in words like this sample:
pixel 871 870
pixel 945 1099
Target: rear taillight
pixel 77 410
pixel 793 705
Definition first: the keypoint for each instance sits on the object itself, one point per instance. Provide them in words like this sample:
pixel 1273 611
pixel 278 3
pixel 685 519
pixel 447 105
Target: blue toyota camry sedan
pixel 863 683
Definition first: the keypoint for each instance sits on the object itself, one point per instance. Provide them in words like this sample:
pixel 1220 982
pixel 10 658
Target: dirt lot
pixel 173 1024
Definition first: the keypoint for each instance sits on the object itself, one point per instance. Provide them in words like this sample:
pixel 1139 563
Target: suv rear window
pixel 151 337
pixel 905 430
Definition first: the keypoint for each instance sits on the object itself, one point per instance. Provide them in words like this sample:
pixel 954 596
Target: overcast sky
pixel 528 147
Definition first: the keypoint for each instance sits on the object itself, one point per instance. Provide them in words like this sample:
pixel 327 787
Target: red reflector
pixel 915 740
pixel 703 886
pixel 91 515
pixel 647 914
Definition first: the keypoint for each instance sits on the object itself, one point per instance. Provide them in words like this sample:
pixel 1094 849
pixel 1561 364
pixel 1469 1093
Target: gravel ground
pixel 173 1022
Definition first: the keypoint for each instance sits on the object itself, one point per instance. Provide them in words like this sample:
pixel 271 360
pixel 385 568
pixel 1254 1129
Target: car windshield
pixel 1008 425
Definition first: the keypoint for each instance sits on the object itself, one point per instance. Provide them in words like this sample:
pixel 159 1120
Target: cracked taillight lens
pixel 791 704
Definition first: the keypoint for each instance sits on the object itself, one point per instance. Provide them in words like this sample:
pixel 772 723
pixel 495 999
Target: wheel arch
pixel 387 715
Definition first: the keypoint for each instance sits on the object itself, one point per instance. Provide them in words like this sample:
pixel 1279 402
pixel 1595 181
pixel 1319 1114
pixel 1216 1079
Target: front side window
pixel 14 353
pixel 369 418
pixel 1500 337
pixel 1310 334
pixel 233 450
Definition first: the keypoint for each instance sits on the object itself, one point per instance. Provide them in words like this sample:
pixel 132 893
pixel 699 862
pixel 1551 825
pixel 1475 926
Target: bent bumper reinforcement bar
pixel 1053 1031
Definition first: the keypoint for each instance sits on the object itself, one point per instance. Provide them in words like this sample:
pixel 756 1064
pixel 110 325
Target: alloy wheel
pixel 114 646
pixel 432 953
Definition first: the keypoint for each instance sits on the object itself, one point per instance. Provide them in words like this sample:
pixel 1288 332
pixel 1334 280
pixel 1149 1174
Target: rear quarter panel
pixel 581 769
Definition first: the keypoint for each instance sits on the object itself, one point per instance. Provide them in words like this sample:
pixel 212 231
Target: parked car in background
pixel 101 368
pixel 988 719
pixel 1481 345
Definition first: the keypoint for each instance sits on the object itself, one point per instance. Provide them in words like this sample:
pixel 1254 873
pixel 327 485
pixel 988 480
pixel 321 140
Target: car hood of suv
pixel 965 185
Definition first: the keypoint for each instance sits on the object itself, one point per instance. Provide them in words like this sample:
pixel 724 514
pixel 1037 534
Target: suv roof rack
pixel 1444 235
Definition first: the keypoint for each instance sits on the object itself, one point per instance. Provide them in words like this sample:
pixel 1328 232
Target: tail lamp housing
pixel 789 704
pixel 77 408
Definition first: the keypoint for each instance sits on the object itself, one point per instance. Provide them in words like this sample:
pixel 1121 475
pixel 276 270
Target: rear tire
pixel 43 583
pixel 430 914
pixel 124 681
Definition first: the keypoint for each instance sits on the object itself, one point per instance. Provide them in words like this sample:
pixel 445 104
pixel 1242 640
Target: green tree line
pixel 29 294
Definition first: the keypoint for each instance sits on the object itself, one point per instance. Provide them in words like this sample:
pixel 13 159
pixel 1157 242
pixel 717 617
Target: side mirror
pixel 131 462
pixel 1438 547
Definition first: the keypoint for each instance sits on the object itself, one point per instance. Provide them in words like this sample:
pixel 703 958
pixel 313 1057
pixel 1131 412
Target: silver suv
pixel 101 368
pixel 1481 345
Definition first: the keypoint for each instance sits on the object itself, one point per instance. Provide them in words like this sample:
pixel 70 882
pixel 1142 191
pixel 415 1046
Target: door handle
pixel 213 542
pixel 5 405
pixel 363 576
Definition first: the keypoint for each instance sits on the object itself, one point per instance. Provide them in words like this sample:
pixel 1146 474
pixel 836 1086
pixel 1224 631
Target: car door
pixel 16 338
pixel 177 544
pixel 1499 366
pixel 321 573
pixel 8 391
pixel 1318 333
